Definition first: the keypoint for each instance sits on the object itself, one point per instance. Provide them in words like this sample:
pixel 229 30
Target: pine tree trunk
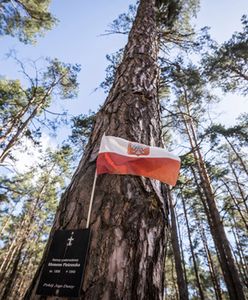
pixel 198 283
pixel 26 267
pixel 241 192
pixel 227 263
pixel 22 127
pixel 174 284
pixel 242 261
pixel 129 220
pixel 214 278
pixel 181 250
pixel 237 205
pixel 10 126
pixel 10 280
pixel 242 163
pixel 181 283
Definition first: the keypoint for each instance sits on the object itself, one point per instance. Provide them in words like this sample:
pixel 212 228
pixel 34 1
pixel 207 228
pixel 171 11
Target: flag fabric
pixel 119 156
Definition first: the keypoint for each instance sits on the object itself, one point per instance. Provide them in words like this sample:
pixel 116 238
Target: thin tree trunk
pixel 236 205
pixel 6 223
pixel 7 258
pixel 23 125
pixel 175 286
pixel 28 266
pixel 181 283
pixel 16 120
pixel 241 192
pixel 198 283
pixel 129 220
pixel 214 278
pixel 19 132
pixel 203 200
pixel 239 267
pixel 237 155
pixel 228 267
pixel 242 263
pixel 11 277
pixel 21 237
pixel 25 276
pixel 182 252
pixel 23 284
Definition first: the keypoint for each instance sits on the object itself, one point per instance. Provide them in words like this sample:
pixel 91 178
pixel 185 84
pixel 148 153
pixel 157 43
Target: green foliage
pixel 12 100
pixel 24 110
pixel 173 22
pixel 28 214
pixel 25 19
pixel 227 66
pixel 238 131
pixel 123 23
pixel 171 13
pixel 62 78
pixel 186 109
pixel 187 84
pixel 114 61
pixel 81 128
pixel 28 201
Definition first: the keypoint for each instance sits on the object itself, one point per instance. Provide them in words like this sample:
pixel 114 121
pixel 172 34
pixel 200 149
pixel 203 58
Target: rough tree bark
pixel 129 220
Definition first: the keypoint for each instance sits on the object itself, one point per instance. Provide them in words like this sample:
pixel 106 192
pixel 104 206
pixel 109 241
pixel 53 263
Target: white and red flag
pixel 119 156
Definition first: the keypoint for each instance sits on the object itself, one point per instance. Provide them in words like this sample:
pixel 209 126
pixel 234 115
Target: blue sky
pixel 76 39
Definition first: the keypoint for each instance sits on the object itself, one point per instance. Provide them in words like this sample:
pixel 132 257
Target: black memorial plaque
pixel 62 274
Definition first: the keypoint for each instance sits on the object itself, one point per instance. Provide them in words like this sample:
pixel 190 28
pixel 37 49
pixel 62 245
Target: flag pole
pixel 92 197
pixel 91 200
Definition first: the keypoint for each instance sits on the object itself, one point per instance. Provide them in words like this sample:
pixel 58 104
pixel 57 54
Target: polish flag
pixel 119 156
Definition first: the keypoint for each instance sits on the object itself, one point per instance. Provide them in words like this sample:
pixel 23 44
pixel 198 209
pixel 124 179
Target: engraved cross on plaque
pixel 69 241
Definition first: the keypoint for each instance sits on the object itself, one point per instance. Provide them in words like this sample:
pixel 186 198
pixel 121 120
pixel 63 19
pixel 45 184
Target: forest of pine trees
pixel 149 241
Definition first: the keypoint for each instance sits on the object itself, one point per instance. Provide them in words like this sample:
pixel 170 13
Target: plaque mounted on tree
pixel 63 270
